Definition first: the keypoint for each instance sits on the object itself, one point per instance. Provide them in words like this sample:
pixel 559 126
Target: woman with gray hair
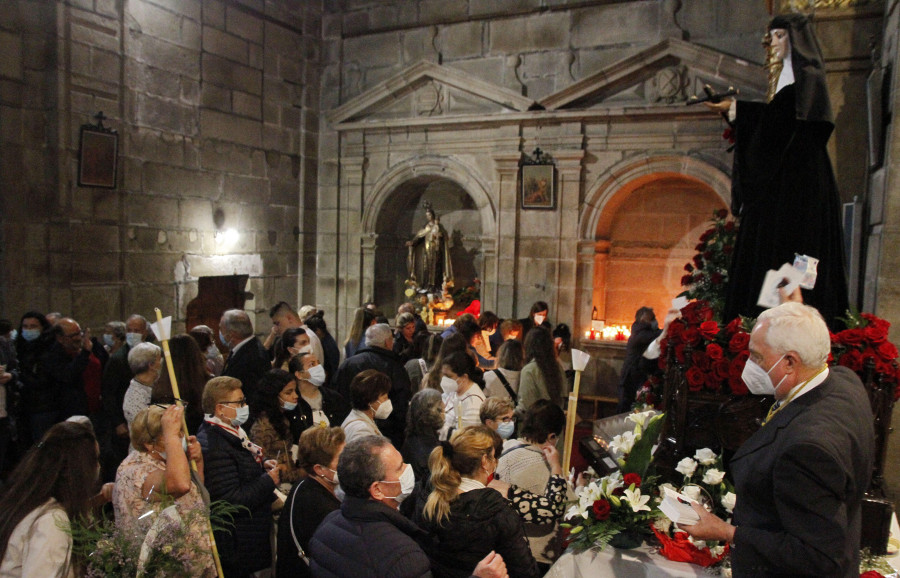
pixel 425 418
pixel 114 336
pixel 405 327
pixel 145 361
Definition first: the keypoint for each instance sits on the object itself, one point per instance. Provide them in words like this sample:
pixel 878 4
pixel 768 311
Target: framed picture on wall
pixel 538 186
pixel 97 156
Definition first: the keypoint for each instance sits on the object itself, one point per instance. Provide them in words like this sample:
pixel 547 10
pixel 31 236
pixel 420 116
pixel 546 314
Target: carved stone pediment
pixel 428 90
pixel 666 73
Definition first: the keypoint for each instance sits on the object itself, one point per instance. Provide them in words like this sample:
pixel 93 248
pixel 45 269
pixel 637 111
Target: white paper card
pixel 809 267
pixel 162 331
pixel 679 303
pixel 579 359
pixel 677 507
pixel 786 278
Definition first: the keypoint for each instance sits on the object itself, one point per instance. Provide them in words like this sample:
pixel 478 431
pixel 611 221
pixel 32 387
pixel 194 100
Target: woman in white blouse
pixel 53 484
pixel 462 396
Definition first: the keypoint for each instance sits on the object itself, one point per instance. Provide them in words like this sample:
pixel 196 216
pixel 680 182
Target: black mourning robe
pixel 785 193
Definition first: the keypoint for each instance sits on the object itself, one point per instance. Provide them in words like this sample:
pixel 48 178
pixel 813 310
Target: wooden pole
pixel 571 419
pixel 177 394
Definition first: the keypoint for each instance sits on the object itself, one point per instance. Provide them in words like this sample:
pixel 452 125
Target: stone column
pixel 501 293
pixel 568 302
pixel 584 288
pixel 367 252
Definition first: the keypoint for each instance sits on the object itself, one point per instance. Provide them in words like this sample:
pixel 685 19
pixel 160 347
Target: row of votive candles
pixel 609 333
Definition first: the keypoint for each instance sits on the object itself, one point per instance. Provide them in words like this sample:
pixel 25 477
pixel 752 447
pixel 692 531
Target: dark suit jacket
pixel 248 364
pixel 800 480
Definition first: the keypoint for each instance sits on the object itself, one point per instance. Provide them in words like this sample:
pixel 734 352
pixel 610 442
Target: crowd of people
pixel 317 445
pixel 439 457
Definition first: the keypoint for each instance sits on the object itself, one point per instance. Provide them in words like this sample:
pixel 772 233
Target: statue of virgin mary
pixel 429 255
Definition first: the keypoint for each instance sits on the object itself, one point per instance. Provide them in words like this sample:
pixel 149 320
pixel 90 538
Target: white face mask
pixel 449 385
pixel 316 375
pixel 334 479
pixel 538 319
pixel 407 482
pixel 384 410
pixel 758 380
pixel 506 429
pixel 133 339
pixel 184 448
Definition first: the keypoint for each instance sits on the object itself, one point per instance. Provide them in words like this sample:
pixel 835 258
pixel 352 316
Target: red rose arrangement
pixel 866 338
pixel 707 273
pixel 718 354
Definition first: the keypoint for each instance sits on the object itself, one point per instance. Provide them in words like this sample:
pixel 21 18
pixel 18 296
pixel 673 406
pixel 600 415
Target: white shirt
pixel 358 424
pixel 38 546
pixel 813 383
pixel 136 399
pixel 463 410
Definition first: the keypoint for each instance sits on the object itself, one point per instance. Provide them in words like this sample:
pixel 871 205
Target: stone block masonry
pixel 185 84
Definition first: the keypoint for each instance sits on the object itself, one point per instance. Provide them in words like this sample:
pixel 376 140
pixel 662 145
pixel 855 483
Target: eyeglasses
pixel 240 403
pixel 168 405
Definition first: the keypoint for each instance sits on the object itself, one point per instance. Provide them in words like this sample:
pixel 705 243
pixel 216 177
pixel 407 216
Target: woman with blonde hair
pixel 160 467
pixel 467 519
pixel 319 449
pixel 356 339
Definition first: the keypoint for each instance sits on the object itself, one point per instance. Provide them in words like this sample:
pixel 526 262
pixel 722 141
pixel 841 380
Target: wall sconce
pixel 225 238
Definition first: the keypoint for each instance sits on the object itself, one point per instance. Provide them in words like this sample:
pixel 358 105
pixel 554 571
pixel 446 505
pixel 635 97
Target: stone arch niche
pixel 396 213
pixel 645 219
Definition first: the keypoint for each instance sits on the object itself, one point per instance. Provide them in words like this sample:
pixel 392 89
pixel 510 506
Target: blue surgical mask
pixel 108 340
pixel 288 405
pixel 222 338
pixel 30 334
pixel 133 339
pixel 243 414
pixel 506 429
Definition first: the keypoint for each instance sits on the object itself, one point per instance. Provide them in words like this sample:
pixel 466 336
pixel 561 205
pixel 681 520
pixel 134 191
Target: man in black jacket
pixel 117 376
pixel 368 537
pixel 801 478
pixel 248 360
pixel 377 355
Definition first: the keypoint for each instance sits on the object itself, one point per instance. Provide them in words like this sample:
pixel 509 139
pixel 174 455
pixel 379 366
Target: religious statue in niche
pixel 429 255
pixel 783 188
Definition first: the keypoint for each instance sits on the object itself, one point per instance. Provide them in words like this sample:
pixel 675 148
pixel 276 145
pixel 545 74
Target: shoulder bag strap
pixel 506 385
pixel 300 551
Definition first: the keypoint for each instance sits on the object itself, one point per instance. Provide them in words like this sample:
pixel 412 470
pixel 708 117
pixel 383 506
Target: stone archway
pixel 643 220
pixel 394 213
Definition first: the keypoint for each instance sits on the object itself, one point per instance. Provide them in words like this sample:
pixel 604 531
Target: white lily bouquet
pixel 616 508
pixel 704 482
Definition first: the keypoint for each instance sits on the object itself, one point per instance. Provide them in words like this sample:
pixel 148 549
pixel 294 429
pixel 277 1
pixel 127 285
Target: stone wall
pixel 216 108
pixel 541 51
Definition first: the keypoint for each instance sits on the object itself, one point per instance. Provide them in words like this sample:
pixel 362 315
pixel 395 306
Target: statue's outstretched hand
pixel 721 106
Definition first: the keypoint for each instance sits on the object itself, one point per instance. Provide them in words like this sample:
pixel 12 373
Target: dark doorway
pixel 215 296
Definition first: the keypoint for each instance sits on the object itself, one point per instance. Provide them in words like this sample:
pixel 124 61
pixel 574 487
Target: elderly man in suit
pixel 800 479
pixel 248 360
